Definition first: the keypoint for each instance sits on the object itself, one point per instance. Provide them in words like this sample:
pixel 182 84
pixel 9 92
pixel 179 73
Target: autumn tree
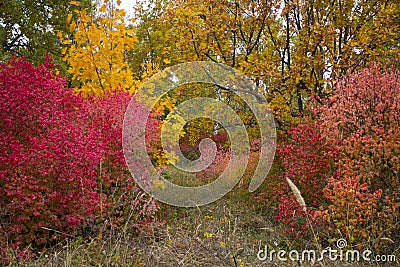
pixel 28 28
pixel 96 52
pixel 152 50
pixel 293 49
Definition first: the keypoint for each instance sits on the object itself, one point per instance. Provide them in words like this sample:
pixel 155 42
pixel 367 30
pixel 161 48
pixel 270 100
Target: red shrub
pixel 363 119
pixel 61 159
pixel 308 162
pixel 48 159
pixel 222 159
pixel 217 167
pixel 119 192
pixel 346 161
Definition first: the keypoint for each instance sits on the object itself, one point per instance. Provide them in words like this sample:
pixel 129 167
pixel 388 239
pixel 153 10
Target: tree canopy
pixel 28 28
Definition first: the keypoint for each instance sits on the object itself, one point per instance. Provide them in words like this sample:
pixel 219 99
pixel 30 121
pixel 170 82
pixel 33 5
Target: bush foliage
pixel 61 160
pixel 344 158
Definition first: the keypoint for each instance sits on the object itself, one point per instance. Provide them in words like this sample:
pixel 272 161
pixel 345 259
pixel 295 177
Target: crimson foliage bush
pixel 308 162
pixel 61 160
pixel 49 157
pixel 363 120
pixel 345 161
pixel 120 196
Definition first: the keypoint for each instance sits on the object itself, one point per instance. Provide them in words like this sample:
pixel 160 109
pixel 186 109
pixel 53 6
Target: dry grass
pixel 229 232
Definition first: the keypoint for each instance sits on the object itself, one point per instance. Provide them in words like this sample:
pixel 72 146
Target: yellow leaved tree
pixel 95 50
pixel 293 49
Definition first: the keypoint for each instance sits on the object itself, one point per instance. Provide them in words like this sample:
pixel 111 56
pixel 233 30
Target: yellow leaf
pixel 69 17
pixel 59 35
pixel 75 3
pixel 103 8
pixel 166 61
pixel 208 235
pixel 159 184
pixel 172 157
pixel 96 58
pixel 72 26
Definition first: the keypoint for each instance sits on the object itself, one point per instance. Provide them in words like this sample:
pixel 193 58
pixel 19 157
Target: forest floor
pixel 228 232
